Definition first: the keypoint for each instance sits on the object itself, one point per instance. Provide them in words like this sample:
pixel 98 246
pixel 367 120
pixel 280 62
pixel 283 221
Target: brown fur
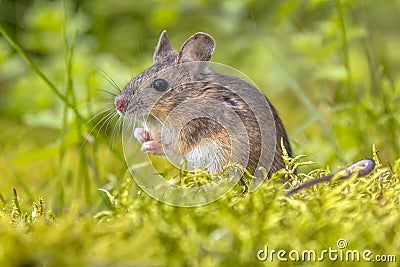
pixel 200 84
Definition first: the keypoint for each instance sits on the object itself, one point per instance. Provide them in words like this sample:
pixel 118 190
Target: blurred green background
pixel 331 68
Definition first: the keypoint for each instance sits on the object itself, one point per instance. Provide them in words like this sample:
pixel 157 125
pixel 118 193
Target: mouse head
pixel 170 70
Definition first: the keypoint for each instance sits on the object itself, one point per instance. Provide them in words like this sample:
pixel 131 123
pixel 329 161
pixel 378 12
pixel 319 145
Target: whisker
pixel 109 79
pixel 87 105
pixel 106 121
pixel 136 121
pixel 94 109
pixel 116 130
pixel 102 120
pixel 107 92
pixel 129 128
pixel 110 120
pixel 98 114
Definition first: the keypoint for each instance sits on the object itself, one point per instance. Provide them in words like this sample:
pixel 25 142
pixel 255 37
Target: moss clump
pixel 137 230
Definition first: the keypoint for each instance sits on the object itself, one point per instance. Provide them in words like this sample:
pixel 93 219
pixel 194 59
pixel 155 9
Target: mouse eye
pixel 160 85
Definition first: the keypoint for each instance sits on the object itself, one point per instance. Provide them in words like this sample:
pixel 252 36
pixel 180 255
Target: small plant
pixel 26 219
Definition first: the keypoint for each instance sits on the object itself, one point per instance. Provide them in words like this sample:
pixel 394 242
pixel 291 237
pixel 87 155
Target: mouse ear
pixel 163 49
pixel 198 47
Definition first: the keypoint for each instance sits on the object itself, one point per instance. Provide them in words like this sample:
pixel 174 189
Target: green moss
pixel 137 230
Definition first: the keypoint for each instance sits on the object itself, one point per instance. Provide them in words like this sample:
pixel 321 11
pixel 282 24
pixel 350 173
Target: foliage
pixel 137 230
pixel 331 67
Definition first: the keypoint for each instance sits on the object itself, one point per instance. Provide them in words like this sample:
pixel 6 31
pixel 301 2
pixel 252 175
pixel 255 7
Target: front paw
pixel 152 147
pixel 142 135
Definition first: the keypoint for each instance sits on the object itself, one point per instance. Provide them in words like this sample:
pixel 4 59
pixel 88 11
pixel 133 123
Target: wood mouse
pixel 191 112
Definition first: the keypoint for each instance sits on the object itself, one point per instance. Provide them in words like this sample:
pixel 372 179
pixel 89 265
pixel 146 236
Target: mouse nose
pixel 120 105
